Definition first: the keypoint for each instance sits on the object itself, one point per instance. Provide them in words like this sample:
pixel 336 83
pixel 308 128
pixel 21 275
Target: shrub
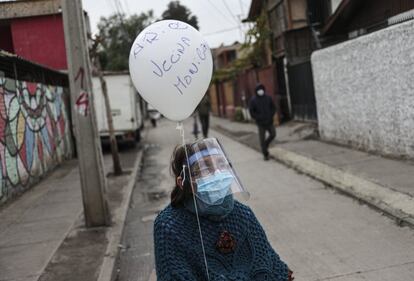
pixel 238 114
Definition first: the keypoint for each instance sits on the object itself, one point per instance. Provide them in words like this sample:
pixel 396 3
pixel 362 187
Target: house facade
pixel 222 93
pixel 363 77
pixel 354 18
pixel 294 26
pixel 34 30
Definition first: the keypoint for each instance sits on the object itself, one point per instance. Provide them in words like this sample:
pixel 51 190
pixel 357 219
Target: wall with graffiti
pixel 34 133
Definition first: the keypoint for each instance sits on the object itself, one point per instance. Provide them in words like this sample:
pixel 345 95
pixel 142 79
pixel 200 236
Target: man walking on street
pixel 204 113
pixel 262 110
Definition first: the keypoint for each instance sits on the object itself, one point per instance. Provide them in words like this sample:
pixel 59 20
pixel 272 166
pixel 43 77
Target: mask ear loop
pixel 181 128
pixel 182 175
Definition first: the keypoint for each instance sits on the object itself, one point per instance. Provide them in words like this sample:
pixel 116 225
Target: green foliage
pixel 180 12
pixel 238 114
pixel 256 41
pixel 117 34
pixel 254 47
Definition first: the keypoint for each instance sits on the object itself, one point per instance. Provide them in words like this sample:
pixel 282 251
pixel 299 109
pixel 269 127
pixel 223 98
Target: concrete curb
pixel 115 232
pixel 393 203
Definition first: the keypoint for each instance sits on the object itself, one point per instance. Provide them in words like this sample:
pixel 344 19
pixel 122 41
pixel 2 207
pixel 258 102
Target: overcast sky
pixel 218 23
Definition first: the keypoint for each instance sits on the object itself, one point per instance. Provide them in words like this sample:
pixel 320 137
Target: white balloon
pixel 171 67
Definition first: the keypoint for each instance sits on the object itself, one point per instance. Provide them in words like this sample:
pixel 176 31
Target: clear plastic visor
pixel 212 173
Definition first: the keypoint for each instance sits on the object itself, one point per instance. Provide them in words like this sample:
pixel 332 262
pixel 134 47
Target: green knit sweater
pixel 248 257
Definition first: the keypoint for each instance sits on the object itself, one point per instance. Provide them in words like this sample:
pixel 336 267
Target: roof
pixel 6 55
pixel 338 20
pixel 24 69
pixel 254 11
pixel 234 47
pixel 29 8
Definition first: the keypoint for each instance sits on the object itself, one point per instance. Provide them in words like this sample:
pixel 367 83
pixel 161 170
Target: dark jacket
pixel 262 109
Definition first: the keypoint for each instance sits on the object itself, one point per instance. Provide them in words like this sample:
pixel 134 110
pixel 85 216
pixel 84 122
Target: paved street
pixel 321 234
pixel 149 197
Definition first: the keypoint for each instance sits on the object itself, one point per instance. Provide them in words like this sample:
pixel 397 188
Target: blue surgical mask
pixel 213 188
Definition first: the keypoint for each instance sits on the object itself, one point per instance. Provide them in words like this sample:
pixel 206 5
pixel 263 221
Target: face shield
pixel 213 177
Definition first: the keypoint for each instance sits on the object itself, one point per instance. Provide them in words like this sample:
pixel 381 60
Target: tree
pixel 93 52
pixel 117 34
pixel 255 48
pixel 176 11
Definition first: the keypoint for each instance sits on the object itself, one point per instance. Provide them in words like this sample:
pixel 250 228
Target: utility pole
pixel 93 181
pixel 114 145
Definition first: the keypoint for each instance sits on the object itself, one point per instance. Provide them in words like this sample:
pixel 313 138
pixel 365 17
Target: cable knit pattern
pixel 179 256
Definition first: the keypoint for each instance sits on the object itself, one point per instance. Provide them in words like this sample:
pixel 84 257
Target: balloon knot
pixel 179 126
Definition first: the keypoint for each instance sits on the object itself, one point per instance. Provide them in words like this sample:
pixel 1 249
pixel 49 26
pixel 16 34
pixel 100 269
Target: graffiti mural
pixel 34 133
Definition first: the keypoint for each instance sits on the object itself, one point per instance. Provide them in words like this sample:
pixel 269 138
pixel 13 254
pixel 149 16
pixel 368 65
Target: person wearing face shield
pixel 205 233
pixel 262 109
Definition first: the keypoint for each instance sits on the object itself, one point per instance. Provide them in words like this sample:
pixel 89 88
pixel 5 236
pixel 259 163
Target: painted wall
pixel 6 39
pixel 365 92
pixel 40 39
pixel 213 99
pixel 34 133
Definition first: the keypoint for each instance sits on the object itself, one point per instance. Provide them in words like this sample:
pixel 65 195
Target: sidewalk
pixel 34 226
pixel 380 182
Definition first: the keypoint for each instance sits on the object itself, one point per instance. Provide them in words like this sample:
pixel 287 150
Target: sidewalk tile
pixel 15 265
pixel 52 210
pixel 35 232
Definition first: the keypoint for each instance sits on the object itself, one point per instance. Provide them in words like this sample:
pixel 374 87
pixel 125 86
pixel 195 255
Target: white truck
pixel 125 107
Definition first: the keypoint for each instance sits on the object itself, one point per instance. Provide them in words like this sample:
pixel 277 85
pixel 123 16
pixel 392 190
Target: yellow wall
pixel 298 13
pixel 229 96
pixel 213 99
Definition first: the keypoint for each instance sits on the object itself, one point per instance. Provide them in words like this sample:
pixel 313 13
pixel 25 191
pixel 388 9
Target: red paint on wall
pixel 41 40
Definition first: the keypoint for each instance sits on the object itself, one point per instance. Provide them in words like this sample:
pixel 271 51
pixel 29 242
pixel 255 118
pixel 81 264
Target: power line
pixel 111 4
pixel 246 5
pixel 218 10
pixel 214 14
pixel 118 7
pixel 121 7
pixel 230 12
pixel 120 13
pixel 237 19
pixel 127 7
pixel 241 7
pixel 221 31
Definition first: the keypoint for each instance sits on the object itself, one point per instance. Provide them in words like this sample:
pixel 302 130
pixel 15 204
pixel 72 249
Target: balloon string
pixel 181 128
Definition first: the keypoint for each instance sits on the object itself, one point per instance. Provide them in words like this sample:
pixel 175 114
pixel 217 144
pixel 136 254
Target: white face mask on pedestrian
pixel 260 92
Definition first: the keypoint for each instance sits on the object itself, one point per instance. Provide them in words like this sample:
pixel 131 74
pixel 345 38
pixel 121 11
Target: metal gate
pixel 301 90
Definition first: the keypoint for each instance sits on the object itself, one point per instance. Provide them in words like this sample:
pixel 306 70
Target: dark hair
pixel 260 86
pixel 180 194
